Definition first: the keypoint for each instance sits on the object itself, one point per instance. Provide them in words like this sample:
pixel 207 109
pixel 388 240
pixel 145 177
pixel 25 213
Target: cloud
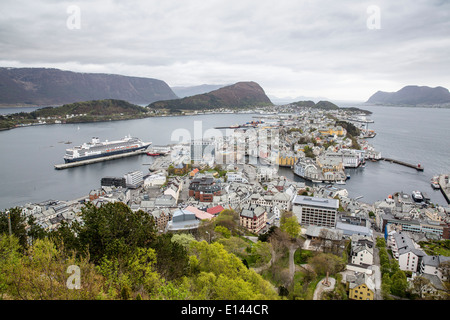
pixel 309 48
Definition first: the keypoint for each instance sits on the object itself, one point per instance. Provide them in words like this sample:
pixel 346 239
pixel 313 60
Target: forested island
pixel 79 112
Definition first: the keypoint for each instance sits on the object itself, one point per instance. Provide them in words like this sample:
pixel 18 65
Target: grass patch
pixel 436 247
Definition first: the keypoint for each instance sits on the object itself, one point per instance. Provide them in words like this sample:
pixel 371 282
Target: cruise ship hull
pixel 106 154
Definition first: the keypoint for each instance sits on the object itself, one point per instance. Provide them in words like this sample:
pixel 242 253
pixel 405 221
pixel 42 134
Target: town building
pixel 360 287
pixel 199 214
pixel 350 158
pixel 287 159
pixel 253 218
pixel 183 220
pixel 113 182
pixel 361 251
pixel 406 251
pixel 236 177
pixel 331 131
pixel 409 222
pixel 215 210
pixel 433 266
pixel 134 179
pixel 315 211
pixel 307 168
pixel 204 188
pixel 161 217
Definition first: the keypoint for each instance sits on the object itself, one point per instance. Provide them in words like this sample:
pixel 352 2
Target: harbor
pixel 374 181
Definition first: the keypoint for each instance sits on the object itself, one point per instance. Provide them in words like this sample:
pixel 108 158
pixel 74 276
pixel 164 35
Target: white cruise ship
pixel 96 148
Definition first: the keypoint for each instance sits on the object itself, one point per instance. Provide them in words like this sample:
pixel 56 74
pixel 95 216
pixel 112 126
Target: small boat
pixel 435 183
pixel 417 196
pixel 153 154
pixel 348 176
pixel 234 126
pixel 340 182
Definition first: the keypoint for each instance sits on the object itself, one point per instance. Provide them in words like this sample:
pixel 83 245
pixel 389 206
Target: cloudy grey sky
pixel 321 48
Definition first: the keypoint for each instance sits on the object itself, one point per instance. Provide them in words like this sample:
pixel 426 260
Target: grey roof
pixel 361 278
pixel 435 261
pixel 405 245
pixel 251 212
pixel 350 229
pixel 165 200
pixel 183 220
pixel 316 202
pixel 329 234
pixel 434 280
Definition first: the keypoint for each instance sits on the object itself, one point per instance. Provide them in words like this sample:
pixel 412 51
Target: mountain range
pixel 412 95
pixel 52 87
pixel 238 95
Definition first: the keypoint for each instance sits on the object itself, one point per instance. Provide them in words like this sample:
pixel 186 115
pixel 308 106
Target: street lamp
pixel 9 222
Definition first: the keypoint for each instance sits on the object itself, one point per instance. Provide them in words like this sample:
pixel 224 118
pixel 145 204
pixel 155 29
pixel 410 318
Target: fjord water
pixel 28 155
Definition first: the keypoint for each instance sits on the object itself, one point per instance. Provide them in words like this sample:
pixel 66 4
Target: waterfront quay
pixel 445 186
pixel 418 167
pixel 96 160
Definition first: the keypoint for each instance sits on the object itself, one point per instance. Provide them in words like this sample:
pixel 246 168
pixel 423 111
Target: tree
pixel 261 253
pixel 227 218
pixel 445 269
pixel 289 224
pixel 308 152
pixel 419 283
pixel 183 239
pixel 280 242
pixel 399 284
pixel 42 273
pixel 326 262
pixel 235 245
pixel 173 261
pixel 222 275
pixel 22 228
pixel 386 287
pixel 114 230
pixel 223 231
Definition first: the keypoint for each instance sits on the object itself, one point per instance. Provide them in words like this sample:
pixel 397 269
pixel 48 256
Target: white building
pixel 405 250
pixel 350 158
pixel 362 250
pixel 432 265
pixel 157 179
pixel 236 177
pixel 134 179
pixel 315 211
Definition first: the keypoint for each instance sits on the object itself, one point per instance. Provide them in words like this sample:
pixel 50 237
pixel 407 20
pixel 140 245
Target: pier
pixel 445 186
pixel 96 160
pixel 418 167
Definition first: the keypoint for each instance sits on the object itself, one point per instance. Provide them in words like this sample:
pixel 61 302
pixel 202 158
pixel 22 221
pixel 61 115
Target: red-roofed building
pixel 215 210
pixel 193 173
pixel 199 214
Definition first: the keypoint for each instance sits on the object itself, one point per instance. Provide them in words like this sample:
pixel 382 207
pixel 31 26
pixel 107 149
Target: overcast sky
pixel 341 50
